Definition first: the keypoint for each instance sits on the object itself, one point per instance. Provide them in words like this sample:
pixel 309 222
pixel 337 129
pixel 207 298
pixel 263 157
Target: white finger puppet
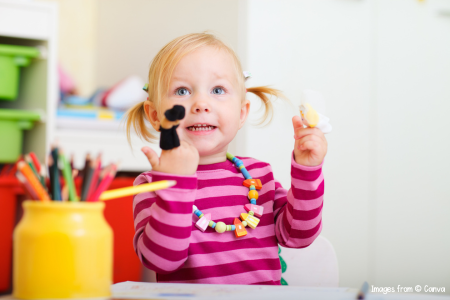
pixel 310 116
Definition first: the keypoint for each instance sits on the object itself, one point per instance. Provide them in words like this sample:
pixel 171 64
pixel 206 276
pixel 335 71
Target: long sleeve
pixel 298 212
pixel 163 221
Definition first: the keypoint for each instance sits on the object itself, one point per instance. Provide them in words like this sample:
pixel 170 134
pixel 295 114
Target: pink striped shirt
pixel 168 242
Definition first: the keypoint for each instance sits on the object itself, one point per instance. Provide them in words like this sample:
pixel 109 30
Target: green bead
pixel 211 223
pixel 220 227
pixel 200 216
pixel 228 227
pixel 251 213
pixel 230 156
pixel 244 223
pixel 252 187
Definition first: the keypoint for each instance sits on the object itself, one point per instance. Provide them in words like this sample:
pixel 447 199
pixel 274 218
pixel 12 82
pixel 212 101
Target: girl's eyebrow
pixel 177 79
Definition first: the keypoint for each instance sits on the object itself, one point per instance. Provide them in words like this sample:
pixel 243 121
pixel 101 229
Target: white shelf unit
pixel 112 144
pixel 29 23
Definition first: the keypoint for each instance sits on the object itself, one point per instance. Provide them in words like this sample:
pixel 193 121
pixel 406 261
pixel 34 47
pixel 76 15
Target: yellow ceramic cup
pixel 62 250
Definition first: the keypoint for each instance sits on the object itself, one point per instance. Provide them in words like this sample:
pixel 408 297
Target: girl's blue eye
pixel 218 91
pixel 182 92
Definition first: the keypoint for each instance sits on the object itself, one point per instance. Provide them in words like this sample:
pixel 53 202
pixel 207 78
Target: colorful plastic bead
pixel 252 194
pixel 251 213
pixel 228 227
pixel 252 201
pixel 211 223
pixel 244 223
pixel 255 182
pixel 220 227
pixel 252 187
pixel 257 209
pixel 246 173
pixel 252 221
pixel 201 216
pixel 233 227
pixel 203 223
pixel 239 230
pixel 244 216
pixel 197 213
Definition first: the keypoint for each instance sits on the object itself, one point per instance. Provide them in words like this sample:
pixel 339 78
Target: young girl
pixel 201 73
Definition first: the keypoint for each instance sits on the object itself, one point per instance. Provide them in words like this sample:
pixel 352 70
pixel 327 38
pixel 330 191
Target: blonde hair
pixel 161 71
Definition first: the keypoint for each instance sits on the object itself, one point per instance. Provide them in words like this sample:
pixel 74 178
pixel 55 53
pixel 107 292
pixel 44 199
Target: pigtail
pixel 135 117
pixel 261 92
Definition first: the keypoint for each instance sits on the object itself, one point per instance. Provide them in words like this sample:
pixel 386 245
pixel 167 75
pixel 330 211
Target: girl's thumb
pixel 151 156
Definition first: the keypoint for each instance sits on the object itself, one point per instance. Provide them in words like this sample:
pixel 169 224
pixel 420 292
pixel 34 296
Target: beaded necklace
pixel 247 219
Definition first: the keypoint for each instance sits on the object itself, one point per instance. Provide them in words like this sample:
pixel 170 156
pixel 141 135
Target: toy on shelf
pixel 310 116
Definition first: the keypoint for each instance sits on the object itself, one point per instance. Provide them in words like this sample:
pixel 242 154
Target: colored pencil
pixel 104 184
pixel 362 294
pixel 56 187
pixel 95 176
pixel 33 167
pixel 87 180
pixel 67 173
pixel 30 192
pixel 133 190
pixel 34 182
pixel 87 163
pixel 31 164
pixel 36 162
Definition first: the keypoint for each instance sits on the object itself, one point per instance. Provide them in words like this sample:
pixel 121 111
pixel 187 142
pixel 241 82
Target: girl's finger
pixel 297 122
pixel 151 156
pixel 299 133
pixel 310 145
pixel 309 137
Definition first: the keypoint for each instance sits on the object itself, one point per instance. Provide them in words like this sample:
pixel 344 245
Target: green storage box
pixel 11 58
pixel 12 124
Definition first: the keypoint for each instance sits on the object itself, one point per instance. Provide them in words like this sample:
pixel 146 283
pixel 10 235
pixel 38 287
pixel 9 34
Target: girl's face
pixel 205 83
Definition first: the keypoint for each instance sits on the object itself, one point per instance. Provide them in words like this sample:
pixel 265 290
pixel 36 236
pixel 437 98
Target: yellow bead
pixel 228 227
pixel 252 222
pixel 253 194
pixel 221 227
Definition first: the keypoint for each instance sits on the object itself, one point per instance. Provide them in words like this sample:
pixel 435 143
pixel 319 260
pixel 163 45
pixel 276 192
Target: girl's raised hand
pixel 182 160
pixel 310 144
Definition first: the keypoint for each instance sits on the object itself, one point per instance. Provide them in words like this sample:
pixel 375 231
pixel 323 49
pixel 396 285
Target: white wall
pixel 411 199
pixel 384 71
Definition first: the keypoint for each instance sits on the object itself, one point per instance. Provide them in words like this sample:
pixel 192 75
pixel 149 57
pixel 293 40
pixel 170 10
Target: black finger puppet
pixel 169 137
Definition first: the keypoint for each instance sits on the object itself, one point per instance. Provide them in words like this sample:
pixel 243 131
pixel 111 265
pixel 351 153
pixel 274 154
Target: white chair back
pixel 313 266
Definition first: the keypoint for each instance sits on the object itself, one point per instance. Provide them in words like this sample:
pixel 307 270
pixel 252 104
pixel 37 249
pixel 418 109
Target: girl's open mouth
pixel 201 127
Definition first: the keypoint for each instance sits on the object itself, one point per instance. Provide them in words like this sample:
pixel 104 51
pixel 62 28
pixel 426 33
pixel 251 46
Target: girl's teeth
pixel 200 128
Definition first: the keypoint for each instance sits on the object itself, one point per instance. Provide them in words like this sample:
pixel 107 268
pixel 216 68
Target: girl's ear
pixel 245 109
pixel 151 114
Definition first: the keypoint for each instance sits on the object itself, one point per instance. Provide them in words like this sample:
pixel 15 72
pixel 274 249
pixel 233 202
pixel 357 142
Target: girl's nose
pixel 200 106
